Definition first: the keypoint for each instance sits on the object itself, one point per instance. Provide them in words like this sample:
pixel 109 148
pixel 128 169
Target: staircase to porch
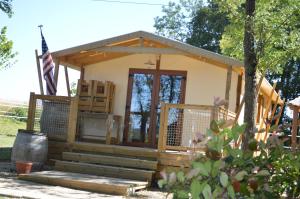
pixel 101 168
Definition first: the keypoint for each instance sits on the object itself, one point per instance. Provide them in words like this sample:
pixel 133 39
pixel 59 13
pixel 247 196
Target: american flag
pixel 48 66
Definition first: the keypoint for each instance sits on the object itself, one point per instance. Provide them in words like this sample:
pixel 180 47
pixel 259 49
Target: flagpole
pixel 38 65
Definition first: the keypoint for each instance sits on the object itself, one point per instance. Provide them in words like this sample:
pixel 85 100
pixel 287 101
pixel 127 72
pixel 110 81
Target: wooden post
pixel 109 127
pixel 38 65
pixel 280 112
pixel 238 92
pixel 243 100
pixel 228 86
pixel 266 113
pixel 237 144
pixel 163 128
pixel 67 81
pixel 259 108
pixel 81 74
pixel 56 71
pixel 72 120
pixel 295 126
pixel 271 118
pixel 158 58
pixel 31 112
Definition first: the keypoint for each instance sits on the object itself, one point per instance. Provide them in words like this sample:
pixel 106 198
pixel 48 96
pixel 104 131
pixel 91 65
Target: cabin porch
pixel 109 162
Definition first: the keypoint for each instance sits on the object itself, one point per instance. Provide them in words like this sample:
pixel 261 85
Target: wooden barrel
pixel 30 146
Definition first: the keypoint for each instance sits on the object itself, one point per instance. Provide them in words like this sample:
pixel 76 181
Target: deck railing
pixel 57 117
pixel 53 115
pixel 179 124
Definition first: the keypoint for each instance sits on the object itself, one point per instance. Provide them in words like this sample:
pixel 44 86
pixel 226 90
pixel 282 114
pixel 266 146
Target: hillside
pixel 12 117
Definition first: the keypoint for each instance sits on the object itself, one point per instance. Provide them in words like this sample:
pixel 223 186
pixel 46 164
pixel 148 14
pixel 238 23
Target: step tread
pixel 116 149
pixel 104 170
pixel 110 160
pixel 87 178
pixel 104 166
pixel 86 182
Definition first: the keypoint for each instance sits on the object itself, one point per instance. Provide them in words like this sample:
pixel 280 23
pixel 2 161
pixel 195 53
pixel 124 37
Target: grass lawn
pixel 8 131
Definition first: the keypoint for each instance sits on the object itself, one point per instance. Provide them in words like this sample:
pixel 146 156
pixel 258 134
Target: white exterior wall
pixel 204 81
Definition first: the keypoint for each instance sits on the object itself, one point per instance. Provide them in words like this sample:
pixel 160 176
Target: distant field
pixel 8 131
pixel 12 118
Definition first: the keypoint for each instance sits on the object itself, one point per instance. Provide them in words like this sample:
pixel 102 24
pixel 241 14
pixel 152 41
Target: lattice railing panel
pixel 181 124
pixel 49 115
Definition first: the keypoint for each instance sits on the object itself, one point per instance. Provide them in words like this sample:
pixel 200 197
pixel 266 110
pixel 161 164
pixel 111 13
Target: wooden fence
pixel 68 115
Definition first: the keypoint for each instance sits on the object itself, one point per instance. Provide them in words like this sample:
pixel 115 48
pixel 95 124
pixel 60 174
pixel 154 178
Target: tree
pixel 6 53
pixel 276 38
pixel 265 36
pixel 288 82
pixel 250 64
pixel 193 22
pixel 176 21
pixel 207 27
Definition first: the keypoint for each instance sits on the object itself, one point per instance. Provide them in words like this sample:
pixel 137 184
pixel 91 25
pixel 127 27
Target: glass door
pixel 146 89
pixel 172 91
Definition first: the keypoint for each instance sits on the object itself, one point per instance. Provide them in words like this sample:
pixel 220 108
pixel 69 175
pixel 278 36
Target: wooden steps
pixel 101 168
pixel 104 170
pixel 110 160
pixel 86 182
pixel 115 150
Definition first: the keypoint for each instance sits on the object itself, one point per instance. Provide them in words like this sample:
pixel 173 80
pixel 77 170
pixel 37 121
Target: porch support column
pixel 295 124
pixel 71 136
pixel 67 81
pixel 228 86
pixel 238 91
pixel 158 58
pixel 56 71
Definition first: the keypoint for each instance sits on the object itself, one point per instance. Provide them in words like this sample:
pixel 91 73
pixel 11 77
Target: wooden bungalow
pixel 140 101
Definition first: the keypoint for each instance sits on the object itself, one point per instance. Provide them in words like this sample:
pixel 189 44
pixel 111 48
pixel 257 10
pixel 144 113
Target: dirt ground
pixel 11 187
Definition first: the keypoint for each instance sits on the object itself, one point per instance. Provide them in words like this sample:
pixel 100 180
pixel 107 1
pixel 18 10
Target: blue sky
pixel 66 23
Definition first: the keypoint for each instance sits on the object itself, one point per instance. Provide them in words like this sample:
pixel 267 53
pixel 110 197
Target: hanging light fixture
pixel 149 62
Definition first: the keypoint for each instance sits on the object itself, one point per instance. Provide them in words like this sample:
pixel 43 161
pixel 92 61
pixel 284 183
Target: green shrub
pixel 18 112
pixel 224 171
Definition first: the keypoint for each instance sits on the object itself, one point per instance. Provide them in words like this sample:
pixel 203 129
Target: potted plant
pixel 23 167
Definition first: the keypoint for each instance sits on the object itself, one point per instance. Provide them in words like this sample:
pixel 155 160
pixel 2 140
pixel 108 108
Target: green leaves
pixel 180 176
pixel 215 168
pixel 196 188
pixel 240 175
pixel 224 179
pixel 263 173
pixel 275 27
pixel 231 191
pixel 203 169
pixel 207 192
pixel 214 126
pixel 162 183
pixel 6 53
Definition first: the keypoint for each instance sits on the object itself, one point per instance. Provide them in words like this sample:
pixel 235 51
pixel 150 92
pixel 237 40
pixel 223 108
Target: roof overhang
pixel 142 42
pixel 138 43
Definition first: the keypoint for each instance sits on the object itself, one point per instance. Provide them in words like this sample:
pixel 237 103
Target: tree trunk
pixel 250 62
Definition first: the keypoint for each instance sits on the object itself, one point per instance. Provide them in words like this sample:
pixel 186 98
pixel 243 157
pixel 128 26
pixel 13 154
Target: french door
pixel 146 90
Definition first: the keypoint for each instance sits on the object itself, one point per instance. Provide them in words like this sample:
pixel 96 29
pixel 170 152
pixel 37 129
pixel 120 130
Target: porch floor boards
pixel 104 170
pixel 110 160
pixel 86 182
